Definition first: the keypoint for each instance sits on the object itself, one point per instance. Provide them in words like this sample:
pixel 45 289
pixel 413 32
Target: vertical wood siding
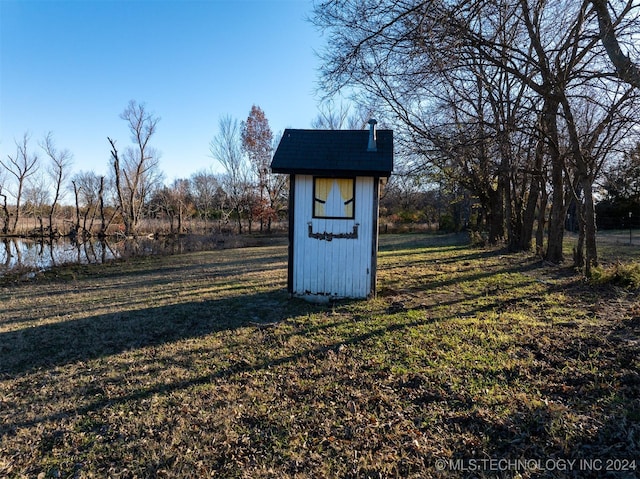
pixel 341 267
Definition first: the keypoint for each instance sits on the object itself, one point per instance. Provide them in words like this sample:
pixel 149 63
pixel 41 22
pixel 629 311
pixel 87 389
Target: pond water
pixel 28 254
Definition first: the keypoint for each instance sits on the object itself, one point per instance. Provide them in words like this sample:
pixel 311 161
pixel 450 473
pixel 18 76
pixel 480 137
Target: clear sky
pixel 71 67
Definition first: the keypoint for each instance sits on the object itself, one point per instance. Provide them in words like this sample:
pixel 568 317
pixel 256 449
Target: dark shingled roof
pixel 333 152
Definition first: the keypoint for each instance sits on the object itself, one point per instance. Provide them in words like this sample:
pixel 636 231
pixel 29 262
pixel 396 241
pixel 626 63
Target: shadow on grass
pixel 115 279
pixel 237 368
pixel 469 275
pixel 56 344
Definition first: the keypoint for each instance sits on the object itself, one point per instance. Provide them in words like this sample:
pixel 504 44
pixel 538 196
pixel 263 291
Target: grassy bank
pixel 198 365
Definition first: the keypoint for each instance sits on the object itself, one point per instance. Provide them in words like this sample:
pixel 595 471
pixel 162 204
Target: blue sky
pixel 71 67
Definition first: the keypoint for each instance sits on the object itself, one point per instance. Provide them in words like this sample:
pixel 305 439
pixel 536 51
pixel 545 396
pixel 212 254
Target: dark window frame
pixel 353 198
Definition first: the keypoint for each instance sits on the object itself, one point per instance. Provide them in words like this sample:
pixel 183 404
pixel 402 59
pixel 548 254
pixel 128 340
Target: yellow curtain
pixel 322 187
pixel 346 192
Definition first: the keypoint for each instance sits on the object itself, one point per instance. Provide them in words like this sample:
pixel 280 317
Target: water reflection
pixel 17 254
pixel 21 253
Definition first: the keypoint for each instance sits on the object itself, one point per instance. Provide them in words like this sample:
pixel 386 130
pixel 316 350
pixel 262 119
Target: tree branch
pixel 626 70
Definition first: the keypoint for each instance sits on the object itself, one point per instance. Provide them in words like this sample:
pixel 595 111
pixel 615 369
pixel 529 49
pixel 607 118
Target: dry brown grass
pixel 198 365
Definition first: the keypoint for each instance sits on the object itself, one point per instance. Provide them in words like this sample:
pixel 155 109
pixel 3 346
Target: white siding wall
pixel 338 268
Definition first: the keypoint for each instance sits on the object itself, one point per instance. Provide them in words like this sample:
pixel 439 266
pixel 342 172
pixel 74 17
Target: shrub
pixel 626 275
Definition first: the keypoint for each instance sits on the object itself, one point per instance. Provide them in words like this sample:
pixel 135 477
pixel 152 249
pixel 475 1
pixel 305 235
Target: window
pixel 334 198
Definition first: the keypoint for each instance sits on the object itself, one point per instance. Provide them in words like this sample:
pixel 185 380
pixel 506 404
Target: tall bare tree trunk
pixel 591 258
pixel 77 198
pixel 541 221
pixel 118 181
pixel 555 237
pixel 6 217
pixel 60 161
pixel 534 198
pixel 103 223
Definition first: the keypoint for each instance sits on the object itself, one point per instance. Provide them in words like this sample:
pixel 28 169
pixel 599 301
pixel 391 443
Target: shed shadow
pixel 56 344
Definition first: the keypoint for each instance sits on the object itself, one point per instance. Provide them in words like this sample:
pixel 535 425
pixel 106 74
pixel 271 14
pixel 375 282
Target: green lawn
pixel 198 365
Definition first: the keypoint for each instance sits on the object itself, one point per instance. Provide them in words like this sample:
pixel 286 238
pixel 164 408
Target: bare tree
pixel 36 198
pixel 597 127
pixel 621 182
pixel 136 172
pixel 22 165
pixel 164 203
pixel 183 202
pixel 205 190
pixel 87 188
pixel 547 54
pixel 625 68
pixel 104 222
pixel 60 162
pixel 331 117
pixel 6 215
pixel 176 203
pixel 226 149
pixel 341 116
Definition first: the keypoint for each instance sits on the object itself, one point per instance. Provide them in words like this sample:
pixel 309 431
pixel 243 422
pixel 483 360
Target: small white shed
pixel 333 209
